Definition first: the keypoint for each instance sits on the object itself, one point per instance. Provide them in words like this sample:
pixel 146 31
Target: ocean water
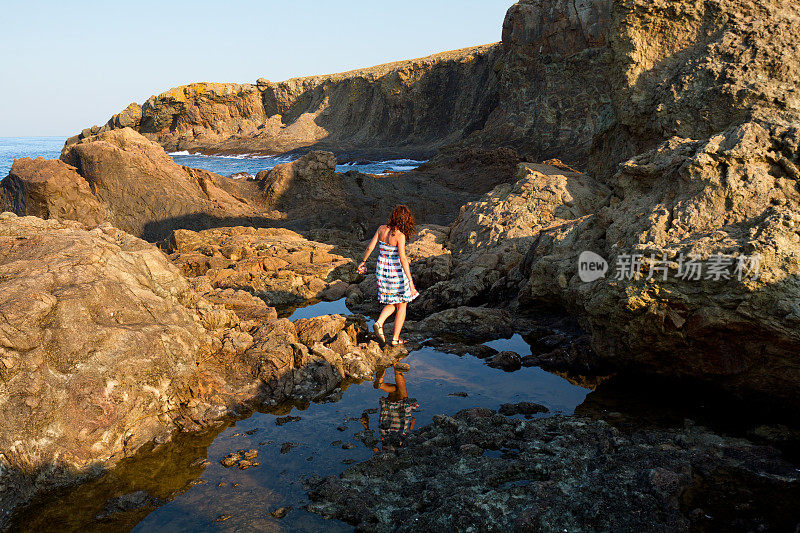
pixel 50 148
pixel 12 148
pixel 228 165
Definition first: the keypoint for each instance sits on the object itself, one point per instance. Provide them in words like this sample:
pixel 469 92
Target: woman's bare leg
pixel 385 313
pixel 399 319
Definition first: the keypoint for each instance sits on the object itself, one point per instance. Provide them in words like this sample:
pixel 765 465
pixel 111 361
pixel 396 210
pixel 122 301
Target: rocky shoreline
pixel 485 471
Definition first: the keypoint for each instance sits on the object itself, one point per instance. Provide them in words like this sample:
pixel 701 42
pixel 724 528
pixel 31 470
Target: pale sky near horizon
pixel 69 65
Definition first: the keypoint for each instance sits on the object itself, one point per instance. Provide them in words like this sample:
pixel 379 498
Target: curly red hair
pixel 402 220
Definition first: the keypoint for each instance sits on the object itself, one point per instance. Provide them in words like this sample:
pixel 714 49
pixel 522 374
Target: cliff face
pixel 405 108
pixel 591 82
pixel 694 69
pixel 553 92
pixel 543 91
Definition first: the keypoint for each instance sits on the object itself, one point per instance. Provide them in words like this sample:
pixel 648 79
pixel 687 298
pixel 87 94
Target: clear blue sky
pixel 70 64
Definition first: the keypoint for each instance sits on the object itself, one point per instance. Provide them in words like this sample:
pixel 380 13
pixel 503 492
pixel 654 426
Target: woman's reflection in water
pixel 396 419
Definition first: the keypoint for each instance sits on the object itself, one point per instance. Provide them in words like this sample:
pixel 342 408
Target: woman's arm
pixel 401 249
pixel 371 247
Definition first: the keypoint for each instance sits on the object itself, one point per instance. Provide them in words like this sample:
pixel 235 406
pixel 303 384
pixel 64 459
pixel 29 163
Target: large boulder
pixel 312 171
pixel 144 191
pixel 49 188
pixel 100 337
pixel 729 203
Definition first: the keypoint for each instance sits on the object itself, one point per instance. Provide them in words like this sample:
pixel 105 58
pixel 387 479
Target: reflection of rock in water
pixel 121 498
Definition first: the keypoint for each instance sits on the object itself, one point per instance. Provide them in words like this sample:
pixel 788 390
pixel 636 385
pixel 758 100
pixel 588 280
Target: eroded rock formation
pixel 406 108
pixel 105 346
pixel 277 265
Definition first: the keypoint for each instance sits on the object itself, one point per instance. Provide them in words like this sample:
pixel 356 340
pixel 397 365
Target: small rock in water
pixel 459 394
pixel 230 459
pixel 281 420
pixel 507 361
pixel 348 446
pixel 221 484
pixel 196 482
pixel 126 502
pixel 280 512
pixel 243 459
pixel 200 461
pixel 342 428
pixel 223 517
pixel 241 175
pixel 522 408
pixel 251 431
pixel 336 443
pixel 310 458
pixel 265 442
pixel 367 437
pixel 286 447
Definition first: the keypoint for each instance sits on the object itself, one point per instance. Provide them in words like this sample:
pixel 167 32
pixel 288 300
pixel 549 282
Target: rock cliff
pixel 406 108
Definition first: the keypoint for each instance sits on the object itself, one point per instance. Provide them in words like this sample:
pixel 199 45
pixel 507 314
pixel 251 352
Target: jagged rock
pixel 50 189
pixel 558 473
pixel 737 332
pixel 277 265
pixel 129 175
pixel 491 236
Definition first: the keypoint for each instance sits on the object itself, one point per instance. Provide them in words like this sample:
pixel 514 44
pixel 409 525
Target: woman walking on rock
pixel 395 286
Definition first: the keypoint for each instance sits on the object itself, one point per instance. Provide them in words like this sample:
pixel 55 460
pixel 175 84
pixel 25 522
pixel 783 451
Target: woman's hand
pixel 362 267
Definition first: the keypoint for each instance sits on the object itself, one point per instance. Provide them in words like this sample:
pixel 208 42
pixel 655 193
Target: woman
pixel 395 286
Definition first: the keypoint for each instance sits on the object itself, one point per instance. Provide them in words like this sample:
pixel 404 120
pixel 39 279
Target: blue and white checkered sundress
pixel 393 285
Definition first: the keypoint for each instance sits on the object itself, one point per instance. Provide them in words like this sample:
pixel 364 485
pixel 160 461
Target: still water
pixel 187 493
